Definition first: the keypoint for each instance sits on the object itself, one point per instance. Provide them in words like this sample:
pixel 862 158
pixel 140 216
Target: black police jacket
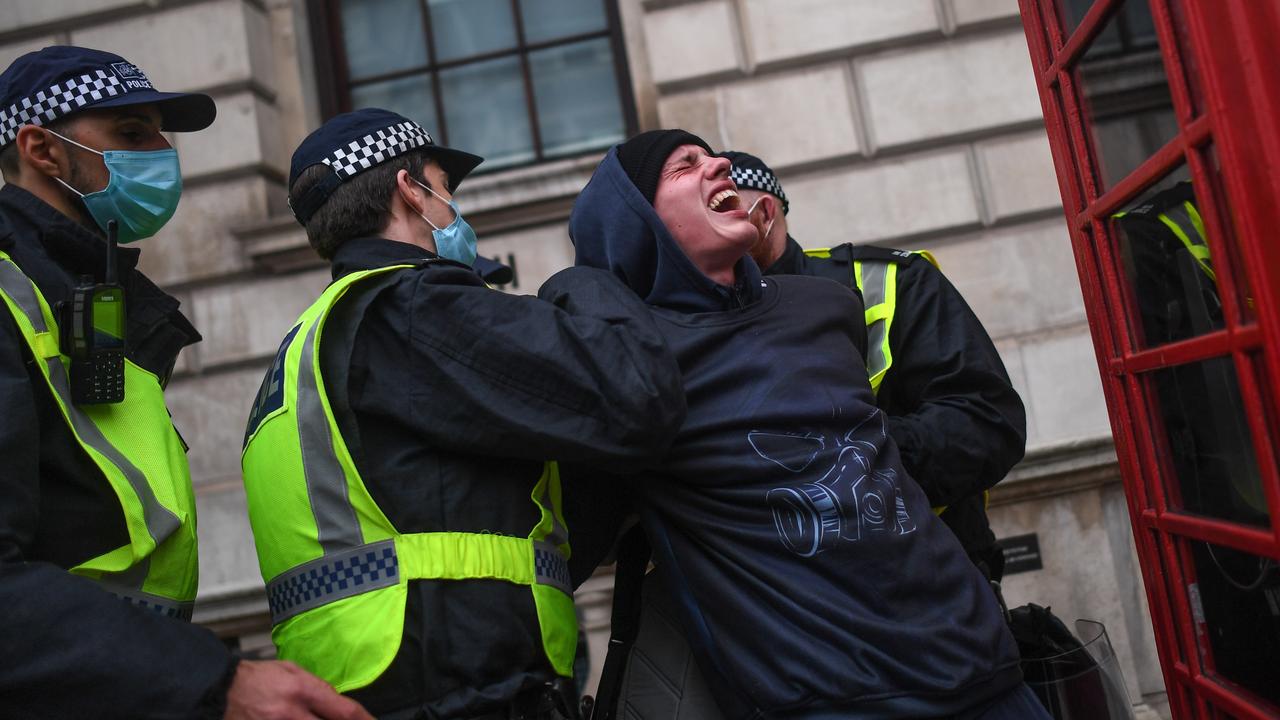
pixel 67 647
pixel 958 422
pixel 455 395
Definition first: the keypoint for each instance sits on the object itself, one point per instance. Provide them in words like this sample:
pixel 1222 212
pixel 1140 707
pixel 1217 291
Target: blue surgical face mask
pixel 456 242
pixel 141 195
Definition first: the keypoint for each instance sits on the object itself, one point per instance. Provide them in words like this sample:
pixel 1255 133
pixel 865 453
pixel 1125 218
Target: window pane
pixel 1165 256
pixel 1240 597
pixel 411 97
pixel 551 19
pixel 462 28
pixel 1125 93
pixel 576 95
pixel 1206 441
pixel 382 36
pixel 486 111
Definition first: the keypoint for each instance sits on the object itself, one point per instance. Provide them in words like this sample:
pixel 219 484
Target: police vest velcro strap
pixel 427 556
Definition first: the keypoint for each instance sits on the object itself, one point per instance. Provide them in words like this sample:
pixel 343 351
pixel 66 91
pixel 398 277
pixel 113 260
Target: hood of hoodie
pixel 613 227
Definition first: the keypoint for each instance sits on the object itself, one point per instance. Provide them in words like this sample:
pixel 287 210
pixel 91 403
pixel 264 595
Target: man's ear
pixel 408 192
pixel 770 205
pixel 37 150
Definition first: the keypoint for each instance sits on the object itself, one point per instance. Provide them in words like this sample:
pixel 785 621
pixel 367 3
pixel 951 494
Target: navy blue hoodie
pixel 809 572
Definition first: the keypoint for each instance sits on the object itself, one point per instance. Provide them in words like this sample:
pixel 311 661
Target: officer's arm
pixel 67 647
pixel 952 410
pixel 583 375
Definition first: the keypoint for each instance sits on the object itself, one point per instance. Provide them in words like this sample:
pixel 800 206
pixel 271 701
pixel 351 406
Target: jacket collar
pixel 370 253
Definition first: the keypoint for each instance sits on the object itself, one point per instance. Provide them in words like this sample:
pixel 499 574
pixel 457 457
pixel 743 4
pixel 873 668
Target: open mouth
pixel 725 201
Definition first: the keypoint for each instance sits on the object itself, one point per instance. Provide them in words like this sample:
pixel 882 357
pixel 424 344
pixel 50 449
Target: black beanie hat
pixel 643 156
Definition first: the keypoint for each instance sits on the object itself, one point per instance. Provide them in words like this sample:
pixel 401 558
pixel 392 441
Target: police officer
pixel 97 526
pixel 407 521
pixel 953 412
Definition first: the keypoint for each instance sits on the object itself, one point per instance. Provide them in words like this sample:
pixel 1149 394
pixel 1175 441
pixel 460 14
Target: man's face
pixel 701 208
pixel 135 127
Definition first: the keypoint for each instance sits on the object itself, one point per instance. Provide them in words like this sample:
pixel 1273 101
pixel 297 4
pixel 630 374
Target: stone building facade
pixel 908 123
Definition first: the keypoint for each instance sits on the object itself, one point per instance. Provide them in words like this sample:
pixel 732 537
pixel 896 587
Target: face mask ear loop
pixel 446 202
pixel 73 142
pixel 768 229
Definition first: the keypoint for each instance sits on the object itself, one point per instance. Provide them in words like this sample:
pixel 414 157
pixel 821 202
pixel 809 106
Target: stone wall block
pixel 238 138
pixel 691 40
pixel 197 243
pixel 210 412
pixel 1018 280
pixel 792 118
pixel 782 29
pixel 894 198
pixel 228 560
pixel 1064 388
pixel 189 47
pixel 967 12
pixel 697 111
pixel 247 320
pixel 20 14
pixel 1019 175
pixel 949 88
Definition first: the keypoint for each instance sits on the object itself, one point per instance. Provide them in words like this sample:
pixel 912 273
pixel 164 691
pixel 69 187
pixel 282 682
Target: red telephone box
pixel 1164 121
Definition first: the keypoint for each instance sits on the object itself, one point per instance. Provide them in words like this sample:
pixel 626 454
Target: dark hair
pixel 9 166
pixel 361 206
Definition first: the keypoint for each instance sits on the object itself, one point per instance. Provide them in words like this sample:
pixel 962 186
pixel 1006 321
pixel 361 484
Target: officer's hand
pixel 279 690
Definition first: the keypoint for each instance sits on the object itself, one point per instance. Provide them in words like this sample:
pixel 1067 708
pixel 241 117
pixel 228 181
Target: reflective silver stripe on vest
pixel 161 523
pixel 337 527
pixel 348 573
pixel 873 294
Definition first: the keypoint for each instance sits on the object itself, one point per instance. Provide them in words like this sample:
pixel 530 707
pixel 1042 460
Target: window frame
pixel 334 84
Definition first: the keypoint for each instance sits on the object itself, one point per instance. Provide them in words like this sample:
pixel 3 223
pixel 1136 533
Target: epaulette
pixel 883 254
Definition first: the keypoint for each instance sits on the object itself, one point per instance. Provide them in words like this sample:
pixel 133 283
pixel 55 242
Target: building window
pixel 516 81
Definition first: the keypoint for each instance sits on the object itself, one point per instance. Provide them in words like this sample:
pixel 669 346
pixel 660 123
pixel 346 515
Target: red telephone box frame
pixel 1223 68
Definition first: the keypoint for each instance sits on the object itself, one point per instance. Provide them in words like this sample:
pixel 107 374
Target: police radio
pixel 93 329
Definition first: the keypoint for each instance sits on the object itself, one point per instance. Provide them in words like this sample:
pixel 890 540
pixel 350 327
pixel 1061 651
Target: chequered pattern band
pixel 359 155
pixel 62 99
pixel 333 577
pixel 160 606
pixel 550 567
pixel 759 180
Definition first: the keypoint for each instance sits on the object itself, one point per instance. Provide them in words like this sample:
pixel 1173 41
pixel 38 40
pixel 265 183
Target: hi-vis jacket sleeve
pixel 69 649
pixel 953 412
pixel 581 374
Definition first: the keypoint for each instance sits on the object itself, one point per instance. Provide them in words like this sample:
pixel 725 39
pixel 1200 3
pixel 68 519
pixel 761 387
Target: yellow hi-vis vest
pixel 878 281
pixel 137 449
pixel 337 571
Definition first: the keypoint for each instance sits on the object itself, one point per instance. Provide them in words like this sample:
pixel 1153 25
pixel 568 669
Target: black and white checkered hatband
pixel 360 155
pixel 63 98
pixel 764 181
